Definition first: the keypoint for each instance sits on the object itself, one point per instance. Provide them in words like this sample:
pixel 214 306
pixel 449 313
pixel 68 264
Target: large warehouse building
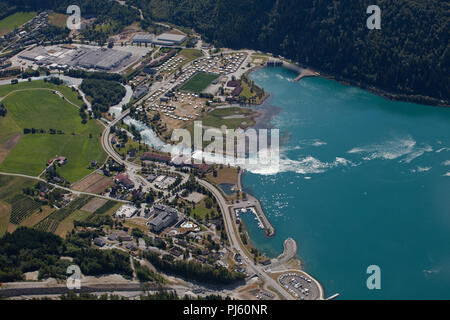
pixel 85 57
pixel 169 39
pixel 143 38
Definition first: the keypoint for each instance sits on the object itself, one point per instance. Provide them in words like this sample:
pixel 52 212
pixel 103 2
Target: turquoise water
pixel 363 181
pixel 228 188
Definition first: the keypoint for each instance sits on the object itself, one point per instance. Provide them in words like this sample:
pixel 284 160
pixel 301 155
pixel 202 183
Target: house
pixel 234 84
pixel 131 246
pixel 99 242
pixel 119 235
pixel 123 180
pixel 59 160
pixel 151 177
pixel 176 251
pixel 237 91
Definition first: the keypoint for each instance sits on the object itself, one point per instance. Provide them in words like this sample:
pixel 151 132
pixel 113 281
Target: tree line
pixel 27 250
pixel 104 94
pixel 194 271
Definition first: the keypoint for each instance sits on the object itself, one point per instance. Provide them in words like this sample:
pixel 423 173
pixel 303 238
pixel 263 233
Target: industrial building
pixel 163 216
pixel 103 58
pixel 140 91
pixel 169 39
pixel 126 211
pixel 143 38
pixel 164 39
pixel 62 57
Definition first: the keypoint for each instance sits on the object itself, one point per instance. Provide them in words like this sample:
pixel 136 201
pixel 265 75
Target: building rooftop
pixel 126 211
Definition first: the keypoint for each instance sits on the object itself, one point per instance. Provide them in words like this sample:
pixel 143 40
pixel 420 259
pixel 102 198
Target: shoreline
pixel 304 71
pixel 390 95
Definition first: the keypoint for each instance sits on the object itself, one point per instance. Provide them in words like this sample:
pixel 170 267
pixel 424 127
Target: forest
pixel 408 58
pixel 27 250
pixel 110 15
pixel 104 94
pixel 194 271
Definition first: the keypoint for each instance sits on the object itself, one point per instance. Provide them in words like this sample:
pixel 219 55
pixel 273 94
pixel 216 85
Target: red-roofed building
pixel 156 157
pixel 60 160
pixel 123 179
pixel 233 84
pixel 237 91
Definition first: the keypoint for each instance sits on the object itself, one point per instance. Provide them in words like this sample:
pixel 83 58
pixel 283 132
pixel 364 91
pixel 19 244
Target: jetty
pixel 252 202
pixel 302 72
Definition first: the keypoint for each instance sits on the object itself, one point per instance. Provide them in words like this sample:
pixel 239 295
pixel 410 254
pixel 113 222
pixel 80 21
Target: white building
pixel 126 211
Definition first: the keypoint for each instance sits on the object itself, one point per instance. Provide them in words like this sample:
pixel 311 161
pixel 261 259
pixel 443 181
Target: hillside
pixel 408 56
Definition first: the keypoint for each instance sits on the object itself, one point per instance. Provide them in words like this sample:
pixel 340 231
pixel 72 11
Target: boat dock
pixel 251 201
pixel 252 204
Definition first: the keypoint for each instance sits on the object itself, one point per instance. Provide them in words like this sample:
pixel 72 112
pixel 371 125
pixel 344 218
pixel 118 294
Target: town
pixel 166 213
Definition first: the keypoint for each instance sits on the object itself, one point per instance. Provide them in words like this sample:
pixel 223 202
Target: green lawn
pixel 190 55
pixel 41 109
pixel 7 128
pixel 15 20
pixel 72 96
pixel 217 118
pixel 199 82
pixel 66 225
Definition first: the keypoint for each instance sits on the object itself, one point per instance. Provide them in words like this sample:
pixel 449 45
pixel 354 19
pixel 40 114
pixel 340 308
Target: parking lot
pixel 299 286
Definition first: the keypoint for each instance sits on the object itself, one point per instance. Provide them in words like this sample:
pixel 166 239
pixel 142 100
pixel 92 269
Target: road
pixel 231 230
pixel 235 243
pixel 228 219
pixel 60 187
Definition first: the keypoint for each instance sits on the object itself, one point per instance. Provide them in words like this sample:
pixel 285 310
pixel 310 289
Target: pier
pixel 251 201
pixel 302 72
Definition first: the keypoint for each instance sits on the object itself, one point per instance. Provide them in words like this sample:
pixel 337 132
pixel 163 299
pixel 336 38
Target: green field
pixel 41 109
pixel 218 117
pixel 53 221
pixel 15 20
pixel 190 55
pixel 14 205
pixel 72 96
pixel 199 82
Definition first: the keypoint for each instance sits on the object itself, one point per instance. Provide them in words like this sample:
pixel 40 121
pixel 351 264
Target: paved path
pixel 60 187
